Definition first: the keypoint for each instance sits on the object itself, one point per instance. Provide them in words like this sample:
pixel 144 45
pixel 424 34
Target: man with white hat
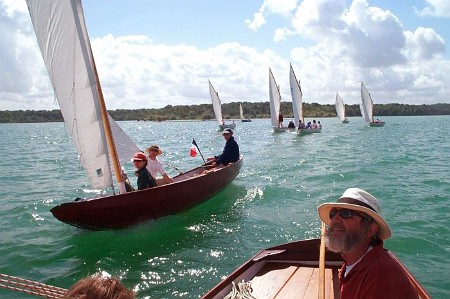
pixel 230 152
pixel 356 230
pixel 154 166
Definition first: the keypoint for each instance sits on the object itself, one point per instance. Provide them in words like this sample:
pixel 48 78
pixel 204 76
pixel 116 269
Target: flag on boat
pixel 194 149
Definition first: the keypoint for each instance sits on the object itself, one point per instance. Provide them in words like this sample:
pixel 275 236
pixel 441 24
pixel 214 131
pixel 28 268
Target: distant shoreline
pixel 230 111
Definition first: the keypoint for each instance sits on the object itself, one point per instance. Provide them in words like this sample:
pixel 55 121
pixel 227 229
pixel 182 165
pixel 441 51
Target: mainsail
pixel 340 108
pixel 366 104
pixel 297 97
pixel 275 99
pixel 241 112
pixel 64 43
pixel 217 105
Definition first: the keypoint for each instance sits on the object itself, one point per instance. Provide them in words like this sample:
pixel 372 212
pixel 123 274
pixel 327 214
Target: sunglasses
pixel 346 214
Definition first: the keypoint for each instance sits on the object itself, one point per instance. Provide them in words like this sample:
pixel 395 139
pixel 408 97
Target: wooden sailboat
pixel 64 42
pixel 275 104
pixel 217 107
pixel 292 270
pixel 366 108
pixel 340 109
pixel 297 104
pixel 241 114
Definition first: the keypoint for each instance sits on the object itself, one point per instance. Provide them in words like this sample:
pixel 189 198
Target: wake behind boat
pixel 290 270
pixel 366 108
pixel 64 43
pixel 217 107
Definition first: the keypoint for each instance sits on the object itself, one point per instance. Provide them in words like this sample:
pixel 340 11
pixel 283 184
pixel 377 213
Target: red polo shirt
pixel 376 276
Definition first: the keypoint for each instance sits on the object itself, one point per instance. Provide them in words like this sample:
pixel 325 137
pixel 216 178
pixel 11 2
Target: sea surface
pixel 273 200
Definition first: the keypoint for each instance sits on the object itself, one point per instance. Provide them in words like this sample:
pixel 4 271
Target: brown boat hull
pixel 120 211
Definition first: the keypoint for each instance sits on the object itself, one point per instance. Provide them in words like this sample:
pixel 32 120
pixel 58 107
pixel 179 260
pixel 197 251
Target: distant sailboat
pixel 340 109
pixel 217 106
pixel 275 103
pixel 241 113
pixel 297 104
pixel 367 108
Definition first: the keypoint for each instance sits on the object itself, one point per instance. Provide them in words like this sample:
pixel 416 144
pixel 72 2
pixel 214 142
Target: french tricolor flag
pixel 194 149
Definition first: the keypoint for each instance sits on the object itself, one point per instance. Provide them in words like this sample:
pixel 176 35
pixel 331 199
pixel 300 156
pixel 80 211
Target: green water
pixel 274 200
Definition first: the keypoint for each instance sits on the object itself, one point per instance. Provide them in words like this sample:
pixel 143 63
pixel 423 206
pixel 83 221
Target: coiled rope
pixel 30 287
pixel 242 291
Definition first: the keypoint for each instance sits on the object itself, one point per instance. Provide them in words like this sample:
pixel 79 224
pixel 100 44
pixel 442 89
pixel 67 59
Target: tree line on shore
pixel 229 111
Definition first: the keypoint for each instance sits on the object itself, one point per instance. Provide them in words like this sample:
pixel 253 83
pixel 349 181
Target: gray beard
pixel 349 241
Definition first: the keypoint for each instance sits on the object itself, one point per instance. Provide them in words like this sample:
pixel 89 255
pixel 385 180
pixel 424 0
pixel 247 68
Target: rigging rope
pixel 30 287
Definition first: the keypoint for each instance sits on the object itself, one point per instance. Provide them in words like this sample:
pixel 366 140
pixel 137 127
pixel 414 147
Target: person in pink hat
pixel 356 230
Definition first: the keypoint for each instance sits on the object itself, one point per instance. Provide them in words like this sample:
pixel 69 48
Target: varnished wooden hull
pixel 119 211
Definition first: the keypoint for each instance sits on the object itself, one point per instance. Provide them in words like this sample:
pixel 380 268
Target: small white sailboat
pixel 297 105
pixel 340 109
pixel 366 108
pixel 241 114
pixel 275 103
pixel 217 106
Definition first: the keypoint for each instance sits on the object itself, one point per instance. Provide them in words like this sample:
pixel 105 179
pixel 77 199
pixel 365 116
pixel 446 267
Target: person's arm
pixel 167 179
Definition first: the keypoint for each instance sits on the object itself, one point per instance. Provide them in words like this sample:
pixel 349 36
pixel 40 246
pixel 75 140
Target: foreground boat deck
pixel 281 280
pixel 289 271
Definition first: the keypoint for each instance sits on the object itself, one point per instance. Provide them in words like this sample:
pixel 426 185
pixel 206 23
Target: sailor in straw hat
pixel 356 230
pixel 155 166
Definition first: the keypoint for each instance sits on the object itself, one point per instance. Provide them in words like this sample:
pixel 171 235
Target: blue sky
pixel 153 53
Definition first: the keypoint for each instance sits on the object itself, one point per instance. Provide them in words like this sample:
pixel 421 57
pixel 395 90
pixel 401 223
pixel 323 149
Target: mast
pixel 109 136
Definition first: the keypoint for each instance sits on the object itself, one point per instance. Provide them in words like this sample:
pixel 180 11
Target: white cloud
pixel 435 8
pixel 282 34
pixel 367 43
pixel 345 45
pixel 277 7
pixel 257 22
pixel 424 44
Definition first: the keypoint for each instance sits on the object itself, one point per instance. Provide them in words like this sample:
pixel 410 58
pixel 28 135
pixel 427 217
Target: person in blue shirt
pixel 230 152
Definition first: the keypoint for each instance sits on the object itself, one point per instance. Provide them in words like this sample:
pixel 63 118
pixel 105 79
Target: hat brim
pixel 148 150
pixel 384 229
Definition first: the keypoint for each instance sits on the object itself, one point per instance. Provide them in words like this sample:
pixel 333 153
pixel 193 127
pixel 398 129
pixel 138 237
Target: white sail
pixel 340 108
pixel 275 99
pixel 241 112
pixel 124 145
pixel 217 105
pixel 64 42
pixel 297 97
pixel 366 104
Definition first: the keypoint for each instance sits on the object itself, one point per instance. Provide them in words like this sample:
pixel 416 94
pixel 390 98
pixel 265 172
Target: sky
pixel 151 54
